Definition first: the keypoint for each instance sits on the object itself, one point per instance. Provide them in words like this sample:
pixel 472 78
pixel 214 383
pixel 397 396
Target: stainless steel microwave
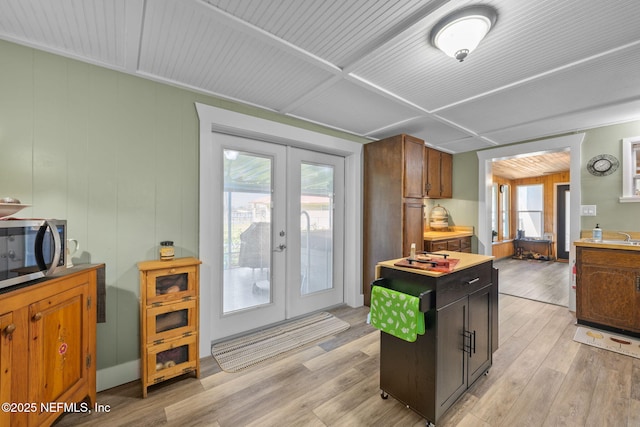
pixel 31 249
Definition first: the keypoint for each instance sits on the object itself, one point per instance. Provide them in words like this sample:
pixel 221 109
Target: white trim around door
pixel 213 119
pixel 571 143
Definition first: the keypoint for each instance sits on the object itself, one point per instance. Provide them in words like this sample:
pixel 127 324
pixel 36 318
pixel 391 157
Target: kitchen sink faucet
pixel 627 236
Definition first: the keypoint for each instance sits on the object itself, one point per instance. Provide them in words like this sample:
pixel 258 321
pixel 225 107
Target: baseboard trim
pixel 114 376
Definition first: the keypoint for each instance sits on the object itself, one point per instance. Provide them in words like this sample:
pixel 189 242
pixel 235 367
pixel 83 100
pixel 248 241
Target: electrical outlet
pixel 587 210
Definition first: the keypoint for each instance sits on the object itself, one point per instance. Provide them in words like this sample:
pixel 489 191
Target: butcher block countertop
pixel 444 235
pixel 466 260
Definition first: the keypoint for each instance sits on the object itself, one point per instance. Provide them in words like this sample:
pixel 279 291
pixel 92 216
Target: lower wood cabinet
pixel 457 244
pixel 608 288
pixel 6 355
pixel 169 292
pixel 48 347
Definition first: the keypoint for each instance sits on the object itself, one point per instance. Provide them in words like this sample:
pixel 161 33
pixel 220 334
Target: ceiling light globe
pixel 462 36
pixel 459 34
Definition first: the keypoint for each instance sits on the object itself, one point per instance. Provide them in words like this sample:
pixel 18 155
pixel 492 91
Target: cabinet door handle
pixel 471 282
pixel 8 330
pixel 637 283
pixel 466 342
pixel 474 343
pixel 37 316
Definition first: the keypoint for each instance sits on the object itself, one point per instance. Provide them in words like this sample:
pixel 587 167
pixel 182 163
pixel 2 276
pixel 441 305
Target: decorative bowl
pixel 7 209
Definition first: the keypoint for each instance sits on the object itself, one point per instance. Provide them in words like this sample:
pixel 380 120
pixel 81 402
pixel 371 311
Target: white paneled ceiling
pixel 366 66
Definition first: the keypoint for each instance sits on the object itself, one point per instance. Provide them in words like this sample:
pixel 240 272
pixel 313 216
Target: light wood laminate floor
pixel 545 281
pixel 540 377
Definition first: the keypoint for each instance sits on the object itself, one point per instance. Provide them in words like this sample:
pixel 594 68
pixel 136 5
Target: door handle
pixel 474 343
pixel 280 248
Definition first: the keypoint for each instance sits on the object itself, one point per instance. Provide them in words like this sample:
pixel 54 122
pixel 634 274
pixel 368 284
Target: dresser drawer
pixel 465 243
pixel 438 246
pixel 453 245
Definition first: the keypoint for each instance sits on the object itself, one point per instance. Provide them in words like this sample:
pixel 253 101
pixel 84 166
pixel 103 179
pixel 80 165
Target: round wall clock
pixel 602 164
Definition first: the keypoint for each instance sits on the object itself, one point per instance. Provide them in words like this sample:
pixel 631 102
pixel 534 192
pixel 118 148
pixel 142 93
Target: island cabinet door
pixel 452 360
pixel 479 333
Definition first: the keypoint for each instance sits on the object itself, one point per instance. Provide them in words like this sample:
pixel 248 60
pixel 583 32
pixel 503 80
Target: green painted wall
pixel 605 191
pixel 115 155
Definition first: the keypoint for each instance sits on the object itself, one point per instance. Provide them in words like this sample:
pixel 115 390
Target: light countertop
pixel 606 244
pixel 443 235
pixel 466 260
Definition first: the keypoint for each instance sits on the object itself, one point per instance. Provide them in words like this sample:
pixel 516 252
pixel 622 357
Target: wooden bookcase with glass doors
pixel 169 304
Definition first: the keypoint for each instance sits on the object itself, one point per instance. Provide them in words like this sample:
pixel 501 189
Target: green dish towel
pixel 396 313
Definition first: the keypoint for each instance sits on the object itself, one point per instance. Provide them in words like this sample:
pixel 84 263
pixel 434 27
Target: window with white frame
pixel 530 204
pixel 631 169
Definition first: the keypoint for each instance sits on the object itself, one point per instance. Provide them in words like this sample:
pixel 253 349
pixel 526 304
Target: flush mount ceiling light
pixel 460 32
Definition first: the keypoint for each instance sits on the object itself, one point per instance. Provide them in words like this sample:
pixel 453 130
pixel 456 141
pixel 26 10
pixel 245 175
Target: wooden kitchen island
pixel 461 333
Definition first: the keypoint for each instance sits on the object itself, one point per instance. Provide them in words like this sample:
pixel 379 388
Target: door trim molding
pixel 214 119
pixel 571 143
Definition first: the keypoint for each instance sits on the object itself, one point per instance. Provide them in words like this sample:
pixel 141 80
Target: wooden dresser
pixel 48 347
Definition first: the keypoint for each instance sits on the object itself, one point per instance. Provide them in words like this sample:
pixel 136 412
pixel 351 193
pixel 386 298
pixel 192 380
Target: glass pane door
pixel 246 230
pixel 246 198
pixel 316 227
pixel 315 208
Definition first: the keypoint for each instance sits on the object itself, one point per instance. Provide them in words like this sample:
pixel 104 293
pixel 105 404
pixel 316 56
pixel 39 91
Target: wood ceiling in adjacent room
pixel 530 166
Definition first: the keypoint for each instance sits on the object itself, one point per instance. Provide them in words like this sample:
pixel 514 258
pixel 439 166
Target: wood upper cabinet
pixel 414 170
pixel 608 288
pixel 438 174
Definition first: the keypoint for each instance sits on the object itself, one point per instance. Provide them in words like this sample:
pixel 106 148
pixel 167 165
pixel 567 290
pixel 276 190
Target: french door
pixel 280 230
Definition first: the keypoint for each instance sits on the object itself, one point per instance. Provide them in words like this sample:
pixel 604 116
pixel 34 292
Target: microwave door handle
pixel 57 244
pixel 39 250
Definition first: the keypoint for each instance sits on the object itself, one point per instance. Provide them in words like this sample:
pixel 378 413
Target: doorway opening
pixel 486 158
